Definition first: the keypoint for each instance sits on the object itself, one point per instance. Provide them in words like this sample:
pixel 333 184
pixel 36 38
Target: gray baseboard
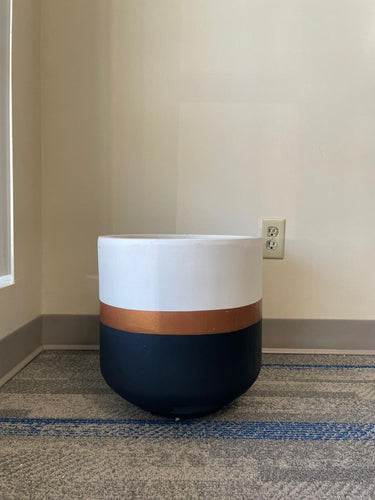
pixel 319 334
pixel 70 330
pixel 60 329
pixel 76 331
pixel 19 345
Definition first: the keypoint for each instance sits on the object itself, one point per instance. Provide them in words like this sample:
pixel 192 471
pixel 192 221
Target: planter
pixel 180 319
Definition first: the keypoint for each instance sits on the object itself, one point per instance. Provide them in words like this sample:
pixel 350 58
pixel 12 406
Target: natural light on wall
pixel 6 163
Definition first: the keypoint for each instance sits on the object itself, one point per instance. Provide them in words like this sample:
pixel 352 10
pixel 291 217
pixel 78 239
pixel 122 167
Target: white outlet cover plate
pixel 268 226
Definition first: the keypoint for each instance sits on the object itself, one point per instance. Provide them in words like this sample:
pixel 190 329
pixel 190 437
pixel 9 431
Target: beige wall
pixel 203 116
pixel 21 302
pixel 75 164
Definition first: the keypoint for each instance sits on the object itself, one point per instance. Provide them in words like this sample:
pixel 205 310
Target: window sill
pixel 7 280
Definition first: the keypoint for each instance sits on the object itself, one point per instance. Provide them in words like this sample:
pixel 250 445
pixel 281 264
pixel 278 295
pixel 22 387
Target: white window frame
pixel 6 147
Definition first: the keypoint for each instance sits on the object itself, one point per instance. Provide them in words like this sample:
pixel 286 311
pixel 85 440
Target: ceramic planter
pixel 180 319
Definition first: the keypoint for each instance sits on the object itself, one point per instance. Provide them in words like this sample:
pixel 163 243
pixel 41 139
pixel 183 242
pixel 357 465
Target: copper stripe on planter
pixel 181 322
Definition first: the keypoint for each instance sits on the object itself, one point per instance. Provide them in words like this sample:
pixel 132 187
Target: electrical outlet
pixel 273 233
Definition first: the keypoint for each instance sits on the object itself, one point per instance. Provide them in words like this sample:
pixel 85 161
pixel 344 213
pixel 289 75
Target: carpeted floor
pixel 306 429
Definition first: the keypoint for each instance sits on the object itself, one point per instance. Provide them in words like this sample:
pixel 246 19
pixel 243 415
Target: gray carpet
pixel 306 429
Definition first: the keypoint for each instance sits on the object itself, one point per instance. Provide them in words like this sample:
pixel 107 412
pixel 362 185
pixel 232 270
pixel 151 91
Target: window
pixel 6 149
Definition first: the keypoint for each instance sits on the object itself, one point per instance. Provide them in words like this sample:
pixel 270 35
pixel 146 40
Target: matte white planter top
pixel 172 272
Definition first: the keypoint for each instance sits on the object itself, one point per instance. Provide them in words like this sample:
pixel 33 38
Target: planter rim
pixel 177 237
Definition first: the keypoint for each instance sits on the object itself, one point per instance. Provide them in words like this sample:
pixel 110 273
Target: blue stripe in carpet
pixel 304 367
pixel 192 429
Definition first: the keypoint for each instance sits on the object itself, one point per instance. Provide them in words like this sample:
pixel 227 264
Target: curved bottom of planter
pixel 180 375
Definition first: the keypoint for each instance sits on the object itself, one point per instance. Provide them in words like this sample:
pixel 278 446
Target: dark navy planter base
pixel 180 375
